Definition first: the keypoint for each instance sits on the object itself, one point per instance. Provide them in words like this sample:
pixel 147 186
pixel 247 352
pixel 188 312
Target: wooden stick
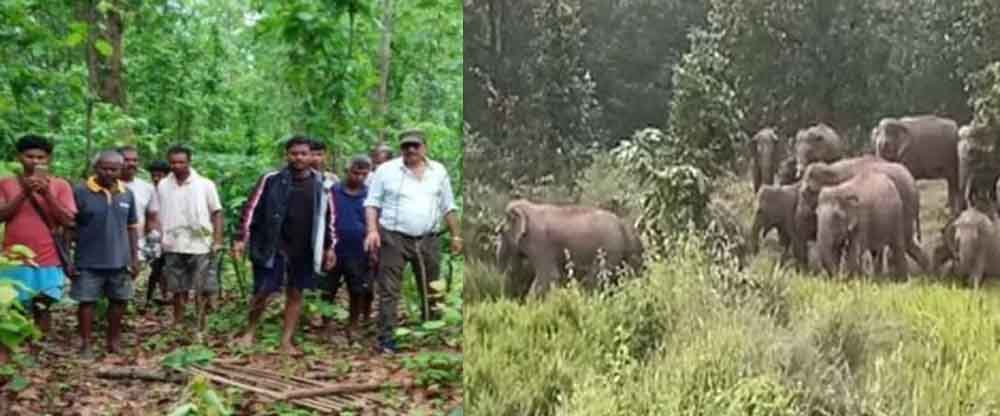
pixel 224 380
pixel 274 375
pixel 265 383
pixel 343 389
pixel 138 373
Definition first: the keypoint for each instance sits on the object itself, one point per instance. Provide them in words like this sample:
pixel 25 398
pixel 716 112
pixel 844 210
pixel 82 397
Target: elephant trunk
pixel 504 255
pixel 829 250
pixel 755 236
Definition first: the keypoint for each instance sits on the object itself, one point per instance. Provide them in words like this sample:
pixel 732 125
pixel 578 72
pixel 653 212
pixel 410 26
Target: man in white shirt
pixel 407 199
pixel 191 218
pixel 147 203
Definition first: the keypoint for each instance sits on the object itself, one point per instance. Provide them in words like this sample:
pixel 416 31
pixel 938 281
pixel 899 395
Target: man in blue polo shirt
pixel 353 265
pixel 107 257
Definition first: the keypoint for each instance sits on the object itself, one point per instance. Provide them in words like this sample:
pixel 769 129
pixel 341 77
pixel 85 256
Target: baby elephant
pixel 861 215
pixel 978 248
pixel 543 234
pixel 775 210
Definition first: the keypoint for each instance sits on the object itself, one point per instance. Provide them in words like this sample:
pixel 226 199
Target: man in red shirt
pixel 30 224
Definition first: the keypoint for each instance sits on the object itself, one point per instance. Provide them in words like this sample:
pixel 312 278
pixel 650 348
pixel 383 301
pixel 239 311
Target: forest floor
pixel 57 381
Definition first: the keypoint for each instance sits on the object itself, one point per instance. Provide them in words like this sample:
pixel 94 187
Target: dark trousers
pixel 398 250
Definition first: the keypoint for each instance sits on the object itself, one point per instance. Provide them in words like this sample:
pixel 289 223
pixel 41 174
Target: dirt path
pixel 63 384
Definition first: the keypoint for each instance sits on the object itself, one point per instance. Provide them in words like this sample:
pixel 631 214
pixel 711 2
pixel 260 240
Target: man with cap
pixel 406 202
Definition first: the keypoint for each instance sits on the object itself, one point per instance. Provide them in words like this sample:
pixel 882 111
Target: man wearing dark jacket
pixel 286 206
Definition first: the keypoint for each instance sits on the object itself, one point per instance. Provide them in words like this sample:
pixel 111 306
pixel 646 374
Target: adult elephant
pixel 818 143
pixel 542 234
pixel 820 175
pixel 927 145
pixel 978 161
pixel 862 214
pixel 766 153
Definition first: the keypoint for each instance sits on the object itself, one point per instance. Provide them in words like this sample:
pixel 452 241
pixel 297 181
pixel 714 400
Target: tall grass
pixel 698 337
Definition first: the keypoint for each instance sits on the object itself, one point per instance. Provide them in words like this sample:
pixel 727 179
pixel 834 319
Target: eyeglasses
pixel 405 146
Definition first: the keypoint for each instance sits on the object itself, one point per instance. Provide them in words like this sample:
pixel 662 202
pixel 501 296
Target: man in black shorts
pixel 287 228
pixel 353 265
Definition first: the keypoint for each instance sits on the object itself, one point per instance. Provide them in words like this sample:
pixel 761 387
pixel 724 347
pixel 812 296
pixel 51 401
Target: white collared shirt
pixel 146 201
pixel 186 213
pixel 410 205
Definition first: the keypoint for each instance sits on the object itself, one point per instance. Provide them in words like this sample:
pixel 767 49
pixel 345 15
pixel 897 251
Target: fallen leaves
pixel 64 384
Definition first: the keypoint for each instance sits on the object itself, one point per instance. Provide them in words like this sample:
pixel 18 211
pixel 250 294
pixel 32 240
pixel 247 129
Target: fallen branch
pixel 344 389
pixel 139 373
pixel 223 380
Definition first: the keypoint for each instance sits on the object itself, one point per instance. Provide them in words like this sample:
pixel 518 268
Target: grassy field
pixel 697 337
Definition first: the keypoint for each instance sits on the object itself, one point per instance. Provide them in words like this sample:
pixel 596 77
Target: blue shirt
pixel 102 223
pixel 350 222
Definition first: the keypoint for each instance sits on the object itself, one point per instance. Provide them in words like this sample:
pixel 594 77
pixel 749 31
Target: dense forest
pixel 560 77
pixel 232 80
pixel 647 108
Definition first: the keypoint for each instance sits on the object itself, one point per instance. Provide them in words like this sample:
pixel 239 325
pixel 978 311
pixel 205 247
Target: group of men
pixel 302 228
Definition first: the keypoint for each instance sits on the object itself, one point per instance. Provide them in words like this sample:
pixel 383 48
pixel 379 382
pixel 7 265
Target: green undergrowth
pixel 694 337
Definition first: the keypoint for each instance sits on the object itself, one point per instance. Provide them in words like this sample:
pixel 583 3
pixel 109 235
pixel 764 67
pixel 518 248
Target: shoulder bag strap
pixel 41 212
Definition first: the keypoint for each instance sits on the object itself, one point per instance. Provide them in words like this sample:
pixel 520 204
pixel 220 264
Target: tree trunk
pixel 385 59
pixel 106 29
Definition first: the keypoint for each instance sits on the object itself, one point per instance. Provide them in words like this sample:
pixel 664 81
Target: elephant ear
pixel 518 217
pixel 900 133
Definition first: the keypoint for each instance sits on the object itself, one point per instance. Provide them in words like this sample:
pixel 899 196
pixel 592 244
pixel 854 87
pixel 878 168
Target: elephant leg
pixel 918 254
pixel 546 275
pixel 939 257
pixel 800 250
pixel 756 177
pixel 878 261
pixel 954 196
pixel 899 264
pixel 786 242
pixel 756 234
pixel 978 268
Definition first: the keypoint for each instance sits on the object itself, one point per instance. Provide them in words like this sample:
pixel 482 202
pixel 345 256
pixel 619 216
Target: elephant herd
pixel 848 206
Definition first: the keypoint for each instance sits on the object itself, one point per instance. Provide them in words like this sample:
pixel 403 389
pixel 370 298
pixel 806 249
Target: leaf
pixel 74 39
pixel 18 383
pixel 22 251
pixel 433 325
pixel 305 16
pixel 402 332
pixel 103 47
pixel 7 295
pixel 183 410
pixel 439 285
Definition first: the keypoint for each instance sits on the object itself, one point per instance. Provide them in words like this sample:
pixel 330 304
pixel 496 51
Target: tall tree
pixel 385 64
pixel 106 31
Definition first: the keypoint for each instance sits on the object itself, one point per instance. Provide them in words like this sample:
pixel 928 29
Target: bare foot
pixel 290 350
pixel 87 354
